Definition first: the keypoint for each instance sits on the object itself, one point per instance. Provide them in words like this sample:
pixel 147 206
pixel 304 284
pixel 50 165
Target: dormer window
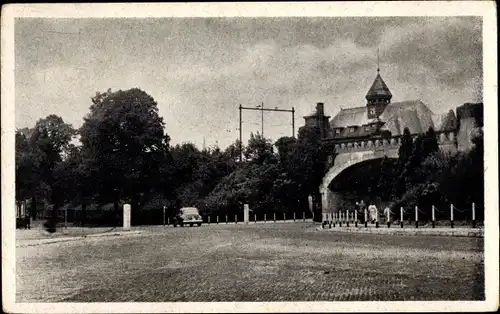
pixel 352 129
pixel 367 128
pixel 372 111
pixel 337 131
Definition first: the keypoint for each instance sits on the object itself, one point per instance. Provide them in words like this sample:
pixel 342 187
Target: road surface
pixel 262 262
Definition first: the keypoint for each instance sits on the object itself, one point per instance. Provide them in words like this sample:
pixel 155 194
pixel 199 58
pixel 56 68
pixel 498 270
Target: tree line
pixel 125 156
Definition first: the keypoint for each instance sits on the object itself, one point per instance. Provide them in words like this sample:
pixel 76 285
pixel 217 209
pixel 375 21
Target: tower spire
pixel 378 61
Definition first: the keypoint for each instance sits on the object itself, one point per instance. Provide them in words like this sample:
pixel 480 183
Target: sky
pixel 200 69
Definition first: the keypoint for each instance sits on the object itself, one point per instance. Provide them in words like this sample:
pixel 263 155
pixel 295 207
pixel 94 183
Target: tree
pixel 386 186
pixel 27 166
pixel 259 149
pixel 38 152
pixel 73 180
pixel 406 147
pixel 307 164
pixel 404 154
pixel 124 142
pixel 285 146
pixel 430 144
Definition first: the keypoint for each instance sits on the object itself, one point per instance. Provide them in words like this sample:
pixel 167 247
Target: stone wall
pixel 357 151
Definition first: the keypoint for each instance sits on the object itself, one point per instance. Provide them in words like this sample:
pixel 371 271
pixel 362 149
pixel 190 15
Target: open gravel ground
pixel 263 262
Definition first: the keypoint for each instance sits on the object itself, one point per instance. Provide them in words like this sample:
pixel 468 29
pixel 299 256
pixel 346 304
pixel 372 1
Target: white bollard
pixel 208 219
pixel 265 218
pixel 401 218
pixel 303 216
pixel 356 218
pixel 473 215
pixel 366 219
pixel 246 213
pixel 376 218
pixel 164 216
pixel 126 216
pixel 416 217
pixel 451 214
pixel 433 217
pixel 294 216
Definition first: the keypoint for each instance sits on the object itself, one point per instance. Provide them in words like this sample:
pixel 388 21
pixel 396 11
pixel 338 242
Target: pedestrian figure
pixel 27 222
pixel 372 210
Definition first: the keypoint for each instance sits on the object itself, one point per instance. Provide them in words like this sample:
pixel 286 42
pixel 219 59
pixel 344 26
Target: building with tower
pixel 360 137
pixel 381 118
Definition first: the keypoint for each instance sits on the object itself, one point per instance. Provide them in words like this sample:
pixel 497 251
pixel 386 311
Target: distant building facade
pixel 380 118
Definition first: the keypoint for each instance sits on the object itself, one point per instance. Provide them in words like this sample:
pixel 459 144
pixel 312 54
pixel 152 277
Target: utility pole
pixel 262 109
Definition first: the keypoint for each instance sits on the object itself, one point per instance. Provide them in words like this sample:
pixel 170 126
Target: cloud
pixel 199 77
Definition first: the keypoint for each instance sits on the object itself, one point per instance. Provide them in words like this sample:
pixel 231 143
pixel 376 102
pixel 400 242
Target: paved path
pixel 38 235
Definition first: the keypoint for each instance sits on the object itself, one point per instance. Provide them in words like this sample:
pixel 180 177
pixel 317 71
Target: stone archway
pixel 342 162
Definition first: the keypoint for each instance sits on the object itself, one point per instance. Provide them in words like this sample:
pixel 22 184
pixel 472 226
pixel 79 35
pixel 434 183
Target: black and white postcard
pixel 250 157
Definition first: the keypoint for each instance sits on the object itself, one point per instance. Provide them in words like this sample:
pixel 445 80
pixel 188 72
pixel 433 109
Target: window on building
pixel 352 129
pixel 367 128
pixel 337 131
pixel 372 110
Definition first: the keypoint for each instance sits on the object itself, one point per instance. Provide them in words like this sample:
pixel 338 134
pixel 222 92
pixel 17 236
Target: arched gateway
pixel 345 160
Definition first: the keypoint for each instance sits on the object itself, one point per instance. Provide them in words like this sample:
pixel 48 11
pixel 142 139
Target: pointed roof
pixel 413 114
pixel 378 89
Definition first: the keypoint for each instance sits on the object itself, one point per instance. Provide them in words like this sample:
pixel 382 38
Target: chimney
pixel 320 109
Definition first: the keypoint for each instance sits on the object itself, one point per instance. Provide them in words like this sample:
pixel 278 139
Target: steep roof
pixel 445 121
pixel 413 114
pixel 378 89
pixel 349 117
